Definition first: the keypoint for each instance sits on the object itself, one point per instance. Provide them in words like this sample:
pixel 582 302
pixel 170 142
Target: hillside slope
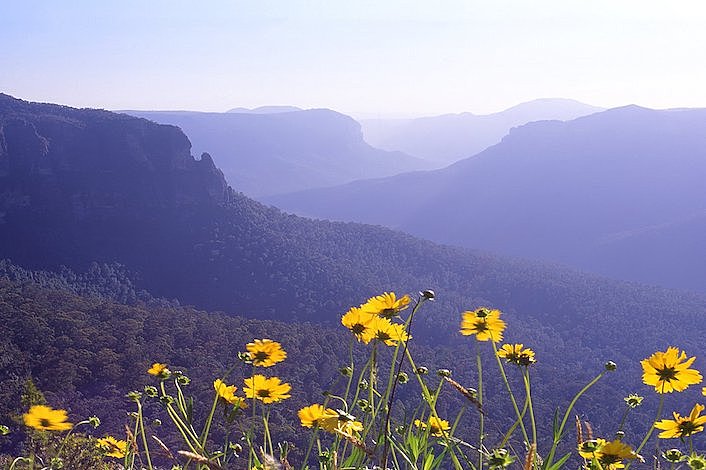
pixel 586 193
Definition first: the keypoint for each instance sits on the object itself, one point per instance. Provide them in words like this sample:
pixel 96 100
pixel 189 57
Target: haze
pixel 366 58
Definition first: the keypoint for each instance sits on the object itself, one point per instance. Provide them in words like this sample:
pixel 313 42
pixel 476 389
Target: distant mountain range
pixel 620 193
pixel 274 150
pixel 451 137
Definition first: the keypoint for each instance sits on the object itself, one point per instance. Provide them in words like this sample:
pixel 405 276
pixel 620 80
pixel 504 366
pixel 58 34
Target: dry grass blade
pixel 529 459
pixel 466 393
pixel 589 430
pixel 579 432
pixel 166 450
pixel 200 459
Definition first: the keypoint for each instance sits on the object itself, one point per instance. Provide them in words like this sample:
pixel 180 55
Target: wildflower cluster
pixel 354 426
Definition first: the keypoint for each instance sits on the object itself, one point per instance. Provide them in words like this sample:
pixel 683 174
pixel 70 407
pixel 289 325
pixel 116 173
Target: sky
pixel 361 57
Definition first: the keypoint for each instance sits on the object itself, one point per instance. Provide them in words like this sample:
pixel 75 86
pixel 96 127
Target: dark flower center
pixel 686 428
pixel 667 374
pixel 45 423
pixel 481 326
pixel 260 356
pixel 358 329
pixel 263 393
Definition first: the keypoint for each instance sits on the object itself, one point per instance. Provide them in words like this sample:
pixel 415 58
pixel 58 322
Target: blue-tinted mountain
pixel 451 137
pixel 618 193
pixel 265 153
pixel 265 110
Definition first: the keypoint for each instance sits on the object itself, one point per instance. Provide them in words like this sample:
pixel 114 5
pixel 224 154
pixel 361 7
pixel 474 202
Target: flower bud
pixel 619 435
pixel 156 422
pixel 422 370
pixel 166 400
pixel 134 395
pixel 610 366
pixel 443 372
pixel 183 380
pixel 94 421
pixel 402 378
pixel 346 371
pixel 4 430
pixel 673 455
pixel 363 385
pixel 151 391
pixel 427 294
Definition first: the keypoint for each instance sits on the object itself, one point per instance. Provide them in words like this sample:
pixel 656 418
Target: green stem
pixel 652 428
pixel 557 436
pixel 207 427
pixel 624 417
pixel 432 406
pixel 144 436
pixel 481 423
pixel 519 415
pixel 531 410
pixel 267 438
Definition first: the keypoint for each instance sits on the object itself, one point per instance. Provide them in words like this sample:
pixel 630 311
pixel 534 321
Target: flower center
pixel 45 423
pixel 481 326
pixel 260 356
pixel 358 329
pixel 686 428
pixel 667 374
pixel 263 393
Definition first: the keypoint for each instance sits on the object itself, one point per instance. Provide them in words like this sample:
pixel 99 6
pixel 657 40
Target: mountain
pixel 619 193
pixel 277 152
pixel 265 110
pixel 452 137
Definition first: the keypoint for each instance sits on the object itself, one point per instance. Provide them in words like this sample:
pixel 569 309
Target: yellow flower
pixel 329 420
pixel 609 454
pixel 669 371
pixel 517 354
pixel 436 426
pixel 359 323
pixel 267 390
pixel 227 393
pixel 484 323
pixel 682 426
pixel 386 305
pixel 112 447
pixel 315 415
pixel 44 418
pixel 383 330
pixel 158 369
pixel 265 352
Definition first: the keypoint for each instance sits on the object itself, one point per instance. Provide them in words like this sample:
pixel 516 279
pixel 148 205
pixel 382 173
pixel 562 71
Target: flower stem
pixel 557 436
pixel 519 415
pixel 528 393
pixel 652 428
pixel 481 423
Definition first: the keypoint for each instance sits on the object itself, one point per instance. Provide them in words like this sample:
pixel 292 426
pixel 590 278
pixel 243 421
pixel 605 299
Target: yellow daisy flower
pixel 437 427
pixel 227 393
pixel 386 305
pixel 609 454
pixel 383 330
pixel 682 426
pixel 484 323
pixel 267 390
pixel 359 323
pixel 45 418
pixel 315 415
pixel 265 352
pixel 329 420
pixel 517 354
pixel 112 447
pixel 158 369
pixel 669 371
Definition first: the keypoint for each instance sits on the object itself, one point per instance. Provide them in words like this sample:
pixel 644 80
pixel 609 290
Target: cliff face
pixel 79 161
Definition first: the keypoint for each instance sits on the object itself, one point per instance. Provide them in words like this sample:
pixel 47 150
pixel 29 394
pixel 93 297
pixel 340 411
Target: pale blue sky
pixel 384 56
